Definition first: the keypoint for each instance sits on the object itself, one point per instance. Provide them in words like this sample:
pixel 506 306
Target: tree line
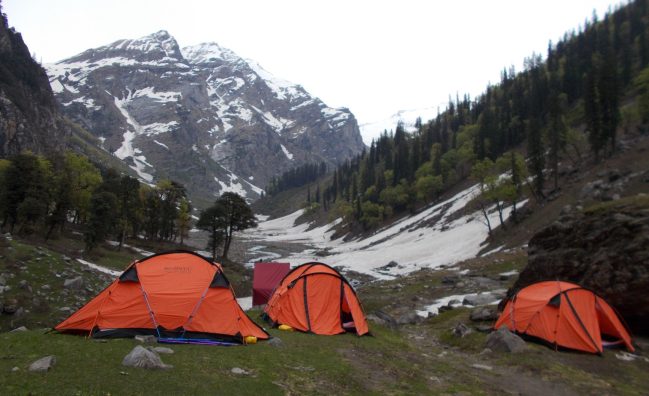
pixel 550 110
pixel 296 177
pixel 47 194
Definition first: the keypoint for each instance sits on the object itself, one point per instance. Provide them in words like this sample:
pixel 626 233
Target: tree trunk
pixel 486 216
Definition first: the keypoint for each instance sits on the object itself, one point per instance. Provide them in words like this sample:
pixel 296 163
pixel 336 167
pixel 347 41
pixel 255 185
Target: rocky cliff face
pixel 604 248
pixel 28 116
pixel 200 115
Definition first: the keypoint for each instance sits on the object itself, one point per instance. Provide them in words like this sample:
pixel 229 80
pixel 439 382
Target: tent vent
pixel 130 275
pixel 555 301
pixel 219 280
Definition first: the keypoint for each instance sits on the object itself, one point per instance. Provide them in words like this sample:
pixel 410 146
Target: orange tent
pixel 565 315
pixel 178 296
pixel 316 298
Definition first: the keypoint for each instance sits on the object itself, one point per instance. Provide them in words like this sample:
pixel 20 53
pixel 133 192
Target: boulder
pixel 479 299
pixel 483 314
pixel 43 364
pixel 144 358
pixel 409 318
pixel 504 340
pixel 384 319
pixel 604 249
pixel 73 283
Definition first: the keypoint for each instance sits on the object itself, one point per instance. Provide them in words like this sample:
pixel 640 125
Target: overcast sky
pixel 374 57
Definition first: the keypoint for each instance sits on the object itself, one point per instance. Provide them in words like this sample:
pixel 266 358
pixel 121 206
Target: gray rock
pixel 144 358
pixel 387 319
pixel 450 279
pixel 43 364
pixel 163 350
pixel 13 370
pixel 46 287
pixel 239 371
pixel 145 339
pixel 409 318
pixel 482 367
pixel 479 299
pixel 504 340
pixel 66 258
pixel 10 307
pixel 483 313
pixel 19 329
pixel 483 328
pixel 73 283
pixel 275 342
pixel 461 330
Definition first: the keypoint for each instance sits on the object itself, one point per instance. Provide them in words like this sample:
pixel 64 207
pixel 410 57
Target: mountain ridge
pixel 155 105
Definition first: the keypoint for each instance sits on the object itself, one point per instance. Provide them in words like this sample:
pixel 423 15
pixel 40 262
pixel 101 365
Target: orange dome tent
pixel 178 296
pixel 316 298
pixel 565 315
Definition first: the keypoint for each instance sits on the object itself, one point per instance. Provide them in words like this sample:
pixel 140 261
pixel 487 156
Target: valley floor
pixel 419 356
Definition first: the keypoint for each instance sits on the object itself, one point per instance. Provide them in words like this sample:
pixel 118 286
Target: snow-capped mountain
pixel 200 115
pixel 372 130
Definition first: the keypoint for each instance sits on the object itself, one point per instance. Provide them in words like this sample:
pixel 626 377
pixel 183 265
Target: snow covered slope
pixel 442 234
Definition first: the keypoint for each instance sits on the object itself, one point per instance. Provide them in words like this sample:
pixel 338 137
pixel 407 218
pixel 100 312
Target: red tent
pixel 265 278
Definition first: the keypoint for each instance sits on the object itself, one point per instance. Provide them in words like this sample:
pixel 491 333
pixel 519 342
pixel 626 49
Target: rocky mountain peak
pixel 202 116
pixel 158 47
pixel 209 54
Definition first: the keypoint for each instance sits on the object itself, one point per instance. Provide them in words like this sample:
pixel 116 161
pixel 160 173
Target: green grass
pixel 88 367
pixel 636 201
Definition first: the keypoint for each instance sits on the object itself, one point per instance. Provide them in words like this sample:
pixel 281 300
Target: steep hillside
pixel 29 119
pixel 200 115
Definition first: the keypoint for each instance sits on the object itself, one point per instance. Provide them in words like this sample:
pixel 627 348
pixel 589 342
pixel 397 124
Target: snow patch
pixel 287 153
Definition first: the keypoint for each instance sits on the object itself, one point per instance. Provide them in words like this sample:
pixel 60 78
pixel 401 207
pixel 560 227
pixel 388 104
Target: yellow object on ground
pixel 285 327
pixel 250 339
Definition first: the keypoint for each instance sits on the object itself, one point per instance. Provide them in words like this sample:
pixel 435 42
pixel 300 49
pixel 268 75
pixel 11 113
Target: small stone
pixel 145 339
pixel 461 330
pixel 275 342
pixel 46 287
pixel 19 329
pixel 43 364
pixel 409 318
pixel 482 367
pixel 73 283
pixel 486 351
pixel 13 370
pixel 239 371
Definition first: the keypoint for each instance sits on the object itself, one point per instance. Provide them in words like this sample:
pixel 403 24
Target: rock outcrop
pixel 604 248
pixel 200 115
pixel 29 119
